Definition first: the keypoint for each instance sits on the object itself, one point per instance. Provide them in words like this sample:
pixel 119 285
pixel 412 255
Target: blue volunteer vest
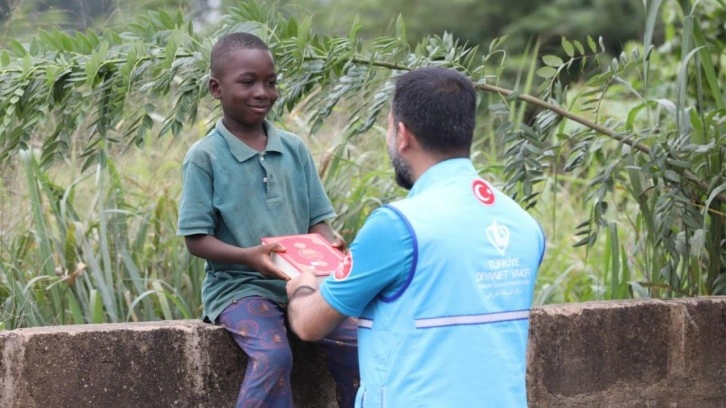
pixel 456 334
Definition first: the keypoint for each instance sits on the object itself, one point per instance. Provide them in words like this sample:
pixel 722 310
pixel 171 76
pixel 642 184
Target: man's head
pixel 243 79
pixel 438 107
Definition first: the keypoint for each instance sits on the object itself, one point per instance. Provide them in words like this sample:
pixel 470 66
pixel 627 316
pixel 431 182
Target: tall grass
pixel 98 247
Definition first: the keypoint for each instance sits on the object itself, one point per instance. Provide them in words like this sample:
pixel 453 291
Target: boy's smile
pixel 246 88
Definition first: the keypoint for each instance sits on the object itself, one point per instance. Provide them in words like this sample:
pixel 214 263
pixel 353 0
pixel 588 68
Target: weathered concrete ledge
pixel 627 354
pixel 644 353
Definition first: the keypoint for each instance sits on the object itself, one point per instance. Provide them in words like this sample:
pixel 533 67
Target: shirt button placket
pixel 262 160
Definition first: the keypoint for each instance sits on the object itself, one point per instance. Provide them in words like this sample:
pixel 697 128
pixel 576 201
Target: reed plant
pixel 99 246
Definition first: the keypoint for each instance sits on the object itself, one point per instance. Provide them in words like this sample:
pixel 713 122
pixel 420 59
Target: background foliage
pixel 616 144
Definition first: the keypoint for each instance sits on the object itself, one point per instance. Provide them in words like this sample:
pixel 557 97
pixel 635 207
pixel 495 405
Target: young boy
pixel 246 180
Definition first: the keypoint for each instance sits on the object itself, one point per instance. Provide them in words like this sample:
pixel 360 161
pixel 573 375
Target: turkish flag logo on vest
pixel 344 267
pixel 483 192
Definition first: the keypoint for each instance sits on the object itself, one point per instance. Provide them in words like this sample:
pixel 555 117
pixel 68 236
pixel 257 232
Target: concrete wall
pixel 599 354
pixel 629 354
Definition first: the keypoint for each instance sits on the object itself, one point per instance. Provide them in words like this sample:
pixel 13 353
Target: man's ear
pixel 214 89
pixel 406 139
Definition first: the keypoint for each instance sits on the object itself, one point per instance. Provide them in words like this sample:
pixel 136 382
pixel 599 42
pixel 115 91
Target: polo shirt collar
pixel 442 171
pixel 240 150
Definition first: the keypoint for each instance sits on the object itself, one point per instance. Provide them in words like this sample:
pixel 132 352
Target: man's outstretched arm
pixel 310 316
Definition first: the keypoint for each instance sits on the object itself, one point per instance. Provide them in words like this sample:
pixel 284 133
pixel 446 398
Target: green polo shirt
pixel 240 195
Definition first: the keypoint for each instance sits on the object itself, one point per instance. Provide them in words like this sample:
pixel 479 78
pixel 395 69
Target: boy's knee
pixel 279 358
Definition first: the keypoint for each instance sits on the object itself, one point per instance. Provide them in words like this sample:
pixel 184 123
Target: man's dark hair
pixel 439 106
pixel 232 42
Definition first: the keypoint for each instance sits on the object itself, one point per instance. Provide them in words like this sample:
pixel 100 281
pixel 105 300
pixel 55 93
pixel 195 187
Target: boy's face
pixel 246 86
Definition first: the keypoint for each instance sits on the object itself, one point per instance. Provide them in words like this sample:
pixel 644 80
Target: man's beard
pixel 402 170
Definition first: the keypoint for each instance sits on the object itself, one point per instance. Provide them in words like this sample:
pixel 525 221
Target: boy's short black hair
pixel 439 106
pixel 231 42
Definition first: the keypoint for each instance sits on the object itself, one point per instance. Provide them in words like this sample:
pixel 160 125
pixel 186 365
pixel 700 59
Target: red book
pixel 303 251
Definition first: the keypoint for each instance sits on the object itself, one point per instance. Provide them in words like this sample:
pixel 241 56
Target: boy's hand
pixel 327 232
pixel 339 243
pixel 262 262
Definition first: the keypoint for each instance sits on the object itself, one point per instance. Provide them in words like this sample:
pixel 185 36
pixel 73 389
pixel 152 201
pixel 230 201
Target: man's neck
pixel 424 161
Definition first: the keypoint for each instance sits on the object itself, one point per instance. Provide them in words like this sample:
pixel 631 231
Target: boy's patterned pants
pixel 258 326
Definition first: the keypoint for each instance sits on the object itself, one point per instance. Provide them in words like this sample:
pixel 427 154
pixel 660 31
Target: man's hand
pixel 307 278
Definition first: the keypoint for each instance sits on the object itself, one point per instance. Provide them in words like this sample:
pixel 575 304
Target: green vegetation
pixel 623 167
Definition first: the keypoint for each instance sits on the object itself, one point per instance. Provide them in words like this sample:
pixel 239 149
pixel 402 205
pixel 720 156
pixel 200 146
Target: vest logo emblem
pixel 344 267
pixel 483 192
pixel 499 236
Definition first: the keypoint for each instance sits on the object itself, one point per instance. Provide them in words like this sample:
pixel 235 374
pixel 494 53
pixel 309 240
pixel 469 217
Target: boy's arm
pixel 257 257
pixel 327 232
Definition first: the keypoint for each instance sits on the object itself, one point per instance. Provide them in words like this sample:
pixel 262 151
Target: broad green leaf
pixel 96 305
pixel 672 176
pixel 166 20
pixel 33 47
pixel 579 47
pixel 681 164
pixel 568 47
pixel 17 48
pixel 27 64
pixel 592 44
pixel 552 60
pixel 546 72
pixel 4 58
